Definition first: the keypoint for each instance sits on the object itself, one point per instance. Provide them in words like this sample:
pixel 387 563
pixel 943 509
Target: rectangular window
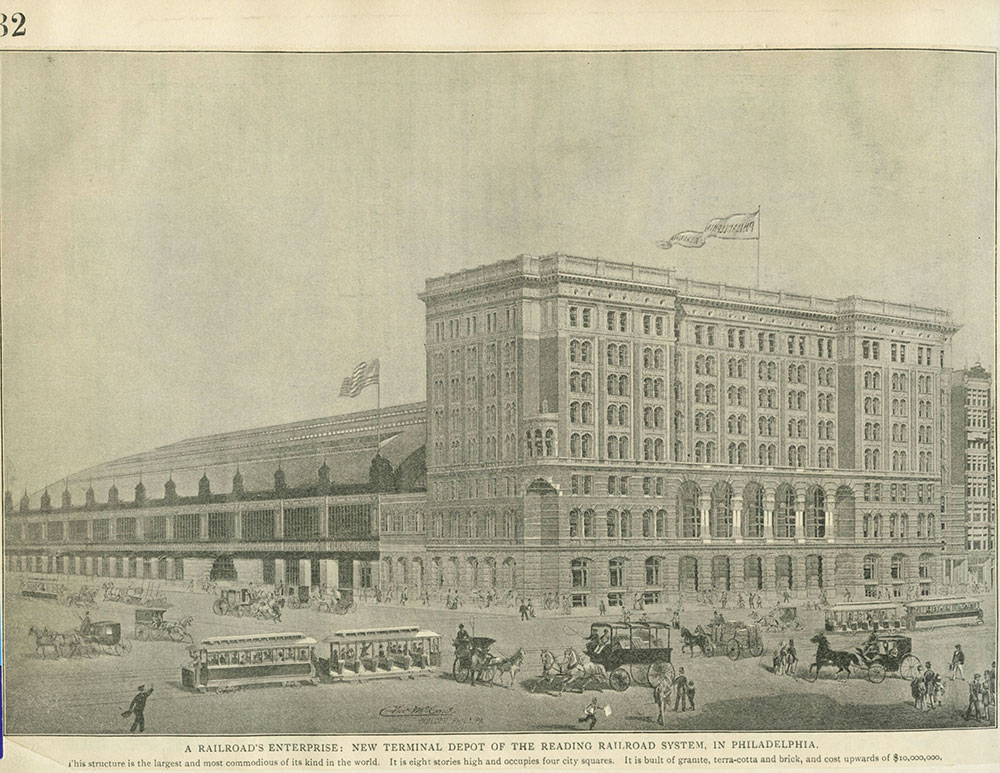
pixel 221 526
pixel 101 529
pixel 78 531
pixel 301 523
pixel 187 526
pixel 125 529
pixel 156 528
pixel 257 525
pixel 54 531
pixel 350 520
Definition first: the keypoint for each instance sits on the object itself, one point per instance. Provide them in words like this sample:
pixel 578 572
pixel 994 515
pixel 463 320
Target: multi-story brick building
pixel 974 469
pixel 630 432
pixel 599 430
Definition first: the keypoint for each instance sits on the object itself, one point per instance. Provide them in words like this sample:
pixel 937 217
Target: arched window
pixel 622 355
pixel 661 523
pixel 623 448
pixel 612 522
pixel 616 572
pixel 588 523
pixel 586 442
pixel 721 511
pixel 579 572
pixel 652 571
pixel 687 510
pixel 699 451
pixel 574 523
pixel 897 567
pixel 815 515
pixel 626 524
pixel 710 451
pixel 647 524
pixel 753 511
pixel 550 440
pixel 784 512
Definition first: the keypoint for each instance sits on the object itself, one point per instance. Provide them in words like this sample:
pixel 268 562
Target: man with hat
pixel 137 707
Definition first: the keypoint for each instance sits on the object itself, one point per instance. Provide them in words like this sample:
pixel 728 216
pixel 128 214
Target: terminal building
pixel 595 430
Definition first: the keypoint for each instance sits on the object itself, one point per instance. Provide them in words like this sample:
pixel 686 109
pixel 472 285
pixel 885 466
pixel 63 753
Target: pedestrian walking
pixel 661 697
pixel 957 662
pixel 524 610
pixel 975 700
pixel 930 683
pixel 918 688
pixel 531 609
pixel 590 714
pixel 680 690
pixel 137 708
pixel 602 608
pixel 675 620
pixel 690 691
pixel 791 658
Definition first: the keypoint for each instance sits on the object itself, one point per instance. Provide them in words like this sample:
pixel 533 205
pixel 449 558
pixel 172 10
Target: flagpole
pixel 378 414
pixel 758 246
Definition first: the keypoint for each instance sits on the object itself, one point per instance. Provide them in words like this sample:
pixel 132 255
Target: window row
pixel 458 327
pixel 897 526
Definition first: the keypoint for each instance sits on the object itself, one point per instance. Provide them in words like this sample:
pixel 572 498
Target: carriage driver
pixel 870 648
pixel 85 624
pixel 462 637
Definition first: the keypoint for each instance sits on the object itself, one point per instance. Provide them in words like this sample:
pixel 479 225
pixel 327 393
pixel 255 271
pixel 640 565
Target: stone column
pixel 767 576
pixel 769 516
pixel 800 513
pixel 238 524
pixel 324 521
pixel 305 572
pixel 738 517
pixel 279 571
pixel 170 566
pixel 329 572
pixel 704 505
pixel 169 521
pixel 279 523
pixel 355 574
pixel 799 587
pixel 831 500
pixel 203 526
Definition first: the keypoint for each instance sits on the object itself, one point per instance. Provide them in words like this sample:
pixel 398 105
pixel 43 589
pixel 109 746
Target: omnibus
pixel 857 616
pixel 371 653
pixel 38 588
pixel 225 663
pixel 954 610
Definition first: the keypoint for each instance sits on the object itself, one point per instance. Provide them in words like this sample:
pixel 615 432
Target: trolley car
pixel 956 610
pixel 226 663
pixel 371 653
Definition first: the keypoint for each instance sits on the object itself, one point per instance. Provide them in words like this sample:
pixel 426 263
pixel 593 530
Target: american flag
pixel 365 373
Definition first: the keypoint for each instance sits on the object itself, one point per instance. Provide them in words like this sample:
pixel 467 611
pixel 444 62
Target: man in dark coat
pixel 137 707
pixel 680 690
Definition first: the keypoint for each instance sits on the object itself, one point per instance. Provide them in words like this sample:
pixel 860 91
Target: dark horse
pixel 692 640
pixel 827 656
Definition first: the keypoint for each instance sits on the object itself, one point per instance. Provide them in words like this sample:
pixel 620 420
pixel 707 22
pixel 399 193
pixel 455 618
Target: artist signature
pixel 417 711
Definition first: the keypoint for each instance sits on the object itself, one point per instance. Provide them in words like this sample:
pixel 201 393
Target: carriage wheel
pixel 238 611
pixel 460 671
pixel 218 608
pixel 876 673
pixel 90 650
pixel 323 606
pixel 733 650
pixel 639 674
pixel 619 679
pixel 756 647
pixel 353 607
pixel 908 668
pixel 812 673
pixel 118 649
pixel 709 648
pixel 660 671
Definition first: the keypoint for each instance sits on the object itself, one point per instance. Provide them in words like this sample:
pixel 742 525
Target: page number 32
pixel 13 26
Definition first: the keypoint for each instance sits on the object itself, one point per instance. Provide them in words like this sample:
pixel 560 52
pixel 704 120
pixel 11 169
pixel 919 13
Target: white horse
pixel 582 669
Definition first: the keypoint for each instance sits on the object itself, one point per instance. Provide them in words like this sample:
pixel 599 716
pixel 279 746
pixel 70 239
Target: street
pixel 87 695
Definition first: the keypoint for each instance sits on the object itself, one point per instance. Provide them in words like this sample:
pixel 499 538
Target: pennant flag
pixel 742 226
pixel 365 374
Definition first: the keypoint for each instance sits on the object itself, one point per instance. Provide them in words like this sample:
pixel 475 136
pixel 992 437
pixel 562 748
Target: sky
pixel 198 243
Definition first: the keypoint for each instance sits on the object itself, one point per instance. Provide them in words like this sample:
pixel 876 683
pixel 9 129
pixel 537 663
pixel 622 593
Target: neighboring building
pixel 974 466
pixel 598 430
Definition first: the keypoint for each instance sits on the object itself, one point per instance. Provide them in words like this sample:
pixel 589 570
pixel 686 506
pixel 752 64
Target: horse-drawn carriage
pixel 90 640
pixel 84 597
pixel 150 624
pixel 631 652
pixel 736 639
pixel 881 654
pixel 784 617
pixel 473 659
pixel 244 602
pixel 338 603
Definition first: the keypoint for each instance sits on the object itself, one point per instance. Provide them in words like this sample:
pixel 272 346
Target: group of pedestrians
pixel 983 696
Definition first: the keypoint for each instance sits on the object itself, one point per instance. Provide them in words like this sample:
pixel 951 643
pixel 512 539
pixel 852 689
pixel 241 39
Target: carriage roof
pixel 260 640
pixel 145 613
pixel 380 634
pixel 926 602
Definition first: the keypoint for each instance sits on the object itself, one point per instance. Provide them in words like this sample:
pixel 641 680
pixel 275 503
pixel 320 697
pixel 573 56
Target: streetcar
pixel 372 653
pixel 955 610
pixel 855 616
pixel 38 588
pixel 228 663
